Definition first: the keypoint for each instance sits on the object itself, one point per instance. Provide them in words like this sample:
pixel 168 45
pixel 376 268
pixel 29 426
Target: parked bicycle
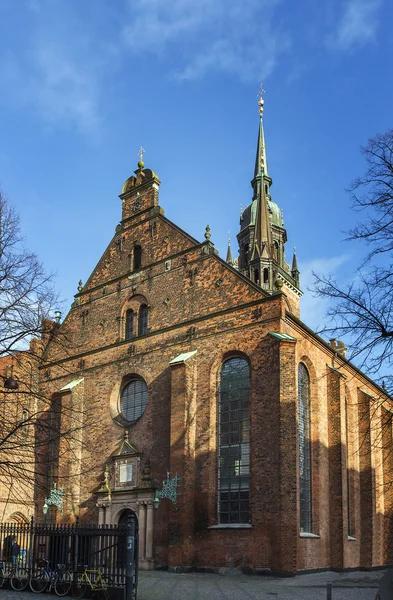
pixel 44 578
pixel 92 579
pixel 16 575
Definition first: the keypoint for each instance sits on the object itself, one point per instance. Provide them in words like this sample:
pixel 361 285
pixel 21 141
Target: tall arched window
pixel 137 257
pixel 129 324
pixel 234 442
pixel 143 319
pixel 304 449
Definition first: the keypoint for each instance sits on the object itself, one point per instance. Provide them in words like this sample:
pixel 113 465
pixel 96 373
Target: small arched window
pixel 143 319
pixel 137 257
pixel 129 324
pixel 304 449
pixel 234 442
pixel 275 251
pixel 256 275
pixel 133 400
pixel 265 275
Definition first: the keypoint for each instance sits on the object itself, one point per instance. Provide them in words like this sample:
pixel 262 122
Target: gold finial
pixel 80 285
pixel 141 152
pixel 261 101
pixel 229 238
pixel 207 232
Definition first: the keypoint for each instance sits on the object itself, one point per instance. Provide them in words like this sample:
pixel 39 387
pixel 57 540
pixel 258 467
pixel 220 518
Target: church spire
pixel 260 159
pixel 262 235
pixel 261 182
pixel 295 270
pixel 229 253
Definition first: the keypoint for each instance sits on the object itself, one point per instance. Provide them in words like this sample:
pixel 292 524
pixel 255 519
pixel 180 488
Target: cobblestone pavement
pixel 160 585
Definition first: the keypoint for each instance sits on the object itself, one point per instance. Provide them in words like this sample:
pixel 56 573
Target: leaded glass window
pixel 234 442
pixel 129 324
pixel 143 312
pixel 133 400
pixel 304 449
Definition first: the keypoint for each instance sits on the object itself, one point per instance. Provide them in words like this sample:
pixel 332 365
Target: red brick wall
pixel 199 303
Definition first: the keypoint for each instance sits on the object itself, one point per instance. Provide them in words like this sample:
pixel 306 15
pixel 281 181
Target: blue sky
pixel 85 83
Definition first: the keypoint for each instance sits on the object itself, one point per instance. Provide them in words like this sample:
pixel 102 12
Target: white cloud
pixel 312 309
pixel 357 26
pixel 209 35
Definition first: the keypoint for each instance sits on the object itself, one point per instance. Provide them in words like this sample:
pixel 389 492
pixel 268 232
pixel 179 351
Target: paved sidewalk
pixel 160 585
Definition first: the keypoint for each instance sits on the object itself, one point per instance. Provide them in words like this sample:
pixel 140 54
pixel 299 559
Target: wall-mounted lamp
pixel 10 383
pixel 57 316
pixel 168 490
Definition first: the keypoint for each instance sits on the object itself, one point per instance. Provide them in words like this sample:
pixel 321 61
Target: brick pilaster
pixel 182 462
pixel 337 481
pixel 284 555
pixel 367 503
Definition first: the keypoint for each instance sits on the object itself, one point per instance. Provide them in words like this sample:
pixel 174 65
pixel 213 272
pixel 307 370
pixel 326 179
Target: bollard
pixel 328 591
pixel 130 558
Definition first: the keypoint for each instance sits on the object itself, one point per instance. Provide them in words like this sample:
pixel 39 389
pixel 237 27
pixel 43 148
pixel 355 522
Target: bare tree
pixel 362 311
pixel 27 295
pixel 35 430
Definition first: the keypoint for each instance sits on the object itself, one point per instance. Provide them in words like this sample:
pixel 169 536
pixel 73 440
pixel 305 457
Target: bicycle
pixel 93 579
pixel 59 580
pixel 16 575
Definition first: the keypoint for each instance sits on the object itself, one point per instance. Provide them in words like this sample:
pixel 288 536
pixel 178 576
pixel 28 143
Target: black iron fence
pixel 112 549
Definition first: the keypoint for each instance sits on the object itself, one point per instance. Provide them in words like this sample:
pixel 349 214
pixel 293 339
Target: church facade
pixel 206 407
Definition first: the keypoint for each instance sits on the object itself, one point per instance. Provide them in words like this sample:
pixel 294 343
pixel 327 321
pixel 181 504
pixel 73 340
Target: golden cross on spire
pixel 261 101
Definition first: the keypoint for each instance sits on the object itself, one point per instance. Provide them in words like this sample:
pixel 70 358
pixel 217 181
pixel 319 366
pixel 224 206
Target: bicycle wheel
pixel 19 579
pixel 3 577
pixel 79 587
pixel 39 581
pixel 63 583
pixel 106 585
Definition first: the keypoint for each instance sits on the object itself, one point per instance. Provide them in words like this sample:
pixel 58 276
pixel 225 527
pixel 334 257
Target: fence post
pixel 31 546
pixel 76 546
pixel 328 591
pixel 130 533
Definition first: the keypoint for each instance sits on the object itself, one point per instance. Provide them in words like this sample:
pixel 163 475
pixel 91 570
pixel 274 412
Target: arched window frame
pixel 304 445
pixel 234 442
pixel 143 319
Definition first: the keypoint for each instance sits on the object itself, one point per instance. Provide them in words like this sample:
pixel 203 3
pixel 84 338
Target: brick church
pixel 235 435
